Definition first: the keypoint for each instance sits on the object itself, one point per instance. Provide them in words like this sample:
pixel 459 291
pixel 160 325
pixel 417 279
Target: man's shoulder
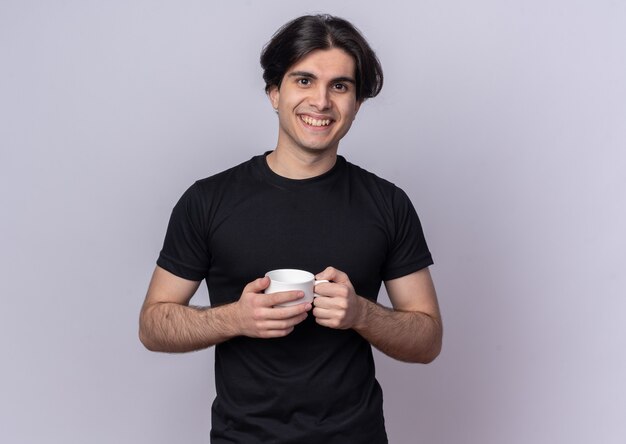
pixel 242 170
pixel 359 173
pixel 219 185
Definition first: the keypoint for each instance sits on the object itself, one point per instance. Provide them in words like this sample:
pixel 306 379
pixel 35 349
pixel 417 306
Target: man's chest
pixel 290 230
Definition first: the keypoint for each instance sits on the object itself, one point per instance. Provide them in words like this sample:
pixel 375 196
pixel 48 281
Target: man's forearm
pixel 403 335
pixel 175 328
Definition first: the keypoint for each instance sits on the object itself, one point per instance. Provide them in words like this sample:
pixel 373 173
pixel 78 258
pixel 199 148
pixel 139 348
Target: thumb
pixel 257 286
pixel 329 274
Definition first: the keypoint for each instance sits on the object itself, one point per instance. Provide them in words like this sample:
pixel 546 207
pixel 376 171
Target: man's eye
pixel 304 82
pixel 340 87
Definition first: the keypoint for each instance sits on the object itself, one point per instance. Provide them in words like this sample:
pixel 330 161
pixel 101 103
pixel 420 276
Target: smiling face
pixel 316 102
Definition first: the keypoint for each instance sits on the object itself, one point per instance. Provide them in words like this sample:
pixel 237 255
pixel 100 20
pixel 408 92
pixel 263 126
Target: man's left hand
pixel 337 305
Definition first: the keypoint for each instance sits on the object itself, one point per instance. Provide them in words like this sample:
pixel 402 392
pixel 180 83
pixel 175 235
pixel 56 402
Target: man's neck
pixel 300 165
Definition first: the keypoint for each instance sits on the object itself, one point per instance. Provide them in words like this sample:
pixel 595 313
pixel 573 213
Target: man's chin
pixel 319 149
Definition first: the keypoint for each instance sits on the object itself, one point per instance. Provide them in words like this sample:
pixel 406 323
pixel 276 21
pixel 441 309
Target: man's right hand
pixel 168 324
pixel 258 315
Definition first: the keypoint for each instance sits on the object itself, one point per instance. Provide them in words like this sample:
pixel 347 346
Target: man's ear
pixel 274 95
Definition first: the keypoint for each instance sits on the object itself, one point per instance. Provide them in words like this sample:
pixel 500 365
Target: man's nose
pixel 320 98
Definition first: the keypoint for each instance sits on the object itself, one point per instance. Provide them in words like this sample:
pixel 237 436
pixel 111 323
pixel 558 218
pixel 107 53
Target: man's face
pixel 316 102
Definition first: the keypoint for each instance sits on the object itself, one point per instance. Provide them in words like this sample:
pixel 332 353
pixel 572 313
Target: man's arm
pixel 412 331
pixel 167 323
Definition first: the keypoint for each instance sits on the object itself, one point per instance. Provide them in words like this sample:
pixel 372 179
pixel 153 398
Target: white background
pixel 504 121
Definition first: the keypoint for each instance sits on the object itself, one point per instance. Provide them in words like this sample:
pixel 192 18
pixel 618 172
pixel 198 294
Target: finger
pixel 283 324
pixel 333 275
pixel 328 312
pixel 274 329
pixel 283 297
pixel 269 334
pixel 323 301
pixel 321 289
pixel 328 292
pixel 325 318
pixel 329 323
pixel 286 313
pixel 322 313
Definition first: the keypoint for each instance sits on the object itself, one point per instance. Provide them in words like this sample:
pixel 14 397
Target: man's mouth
pixel 315 122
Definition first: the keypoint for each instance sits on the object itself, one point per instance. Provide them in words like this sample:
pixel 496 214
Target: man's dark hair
pixel 304 34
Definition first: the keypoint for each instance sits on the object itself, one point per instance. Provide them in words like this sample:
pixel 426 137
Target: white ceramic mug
pixel 287 279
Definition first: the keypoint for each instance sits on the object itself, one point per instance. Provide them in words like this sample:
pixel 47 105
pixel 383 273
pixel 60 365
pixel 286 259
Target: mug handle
pixel 321 281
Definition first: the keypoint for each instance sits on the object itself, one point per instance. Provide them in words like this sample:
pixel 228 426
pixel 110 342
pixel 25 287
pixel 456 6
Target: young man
pixel 302 373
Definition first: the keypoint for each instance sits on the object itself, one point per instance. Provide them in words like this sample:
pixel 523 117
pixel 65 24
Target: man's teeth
pixel 315 122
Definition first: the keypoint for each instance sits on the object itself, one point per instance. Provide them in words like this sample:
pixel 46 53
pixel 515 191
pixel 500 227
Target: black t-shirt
pixel 316 384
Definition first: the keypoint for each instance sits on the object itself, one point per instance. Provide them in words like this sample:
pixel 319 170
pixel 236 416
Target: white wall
pixel 505 121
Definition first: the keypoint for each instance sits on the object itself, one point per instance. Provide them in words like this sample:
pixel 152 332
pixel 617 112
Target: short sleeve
pixel 185 251
pixel 409 251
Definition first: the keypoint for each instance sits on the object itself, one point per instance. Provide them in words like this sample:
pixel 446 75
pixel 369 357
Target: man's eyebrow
pixel 345 80
pixel 309 75
pixel 302 74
